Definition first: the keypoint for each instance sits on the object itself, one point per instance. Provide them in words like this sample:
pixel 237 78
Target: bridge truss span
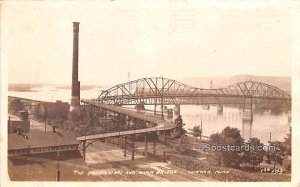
pixel 160 90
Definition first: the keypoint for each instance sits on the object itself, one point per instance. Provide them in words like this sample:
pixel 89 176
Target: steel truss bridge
pixel 164 91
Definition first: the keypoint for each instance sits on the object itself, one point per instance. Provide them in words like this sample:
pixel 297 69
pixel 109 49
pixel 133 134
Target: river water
pixel 263 123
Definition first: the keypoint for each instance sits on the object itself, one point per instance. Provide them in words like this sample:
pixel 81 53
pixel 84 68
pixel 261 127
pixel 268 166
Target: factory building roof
pixel 13 118
pixel 41 139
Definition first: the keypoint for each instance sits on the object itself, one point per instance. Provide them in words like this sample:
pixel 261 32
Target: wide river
pixel 263 124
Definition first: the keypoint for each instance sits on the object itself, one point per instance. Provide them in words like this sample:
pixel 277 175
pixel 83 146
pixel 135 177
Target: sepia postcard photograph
pixel 150 91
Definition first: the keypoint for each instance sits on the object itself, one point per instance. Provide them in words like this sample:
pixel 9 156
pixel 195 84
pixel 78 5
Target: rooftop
pixel 13 118
pixel 41 139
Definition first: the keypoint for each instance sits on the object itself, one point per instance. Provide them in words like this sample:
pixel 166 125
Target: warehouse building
pixel 41 142
pixel 18 124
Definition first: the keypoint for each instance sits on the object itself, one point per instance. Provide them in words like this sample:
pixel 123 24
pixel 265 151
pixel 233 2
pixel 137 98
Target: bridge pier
pixel 166 137
pixel 247 116
pixel 146 146
pixel 122 120
pixel 128 122
pixel 162 109
pixel 132 146
pixel 246 129
pixel 177 109
pixel 83 150
pixel 154 146
pixel 125 145
pixel 250 130
pixel 247 120
pixel 220 109
pixel 140 106
pixel 169 113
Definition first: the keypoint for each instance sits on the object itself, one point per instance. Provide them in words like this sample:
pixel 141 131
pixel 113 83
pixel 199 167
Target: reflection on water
pixel 263 123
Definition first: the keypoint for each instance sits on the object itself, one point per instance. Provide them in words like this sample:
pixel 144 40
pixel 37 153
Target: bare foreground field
pixel 106 159
pixel 104 163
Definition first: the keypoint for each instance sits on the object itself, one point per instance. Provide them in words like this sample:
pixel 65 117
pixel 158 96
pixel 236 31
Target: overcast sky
pixel 175 39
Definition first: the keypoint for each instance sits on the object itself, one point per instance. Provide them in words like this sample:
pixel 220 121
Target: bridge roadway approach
pixel 161 125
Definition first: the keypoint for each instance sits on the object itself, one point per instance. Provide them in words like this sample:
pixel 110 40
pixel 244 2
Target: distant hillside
pixel 284 83
pixel 82 87
pixel 22 87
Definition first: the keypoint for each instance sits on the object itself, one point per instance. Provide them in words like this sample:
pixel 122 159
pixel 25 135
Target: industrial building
pixel 52 109
pixel 41 142
pixel 18 124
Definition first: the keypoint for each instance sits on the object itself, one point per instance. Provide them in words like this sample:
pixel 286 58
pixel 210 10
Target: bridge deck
pixel 161 124
pixel 27 100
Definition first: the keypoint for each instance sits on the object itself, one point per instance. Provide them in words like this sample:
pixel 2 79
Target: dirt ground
pixel 103 163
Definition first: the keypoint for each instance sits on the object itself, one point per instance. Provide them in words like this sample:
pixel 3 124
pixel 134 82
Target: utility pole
pixel 125 145
pixel 132 146
pixel 201 130
pixel 162 98
pixel 146 146
pixel 57 170
pixel 162 107
pixel 155 107
pixel 45 115
pixel 83 149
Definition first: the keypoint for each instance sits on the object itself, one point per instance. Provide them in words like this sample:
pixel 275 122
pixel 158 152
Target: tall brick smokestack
pixel 75 100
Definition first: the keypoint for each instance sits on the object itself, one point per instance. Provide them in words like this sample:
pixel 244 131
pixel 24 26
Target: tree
pixel 91 120
pixel 179 121
pixel 179 130
pixel 16 105
pixel 276 156
pixel 254 157
pixel 287 151
pixel 287 143
pixel 182 145
pixel 197 131
pixel 233 133
pixel 74 118
pixel 229 136
pixel 37 111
